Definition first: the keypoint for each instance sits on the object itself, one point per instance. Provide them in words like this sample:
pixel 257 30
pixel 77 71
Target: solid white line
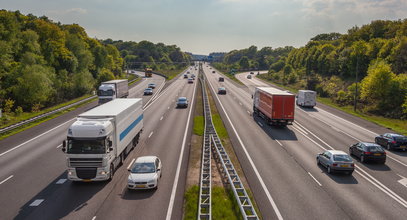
pixel 94 217
pixel 36 137
pixel 279 143
pixel 59 146
pixel 6 179
pixel 161 118
pixel 174 186
pixel 315 179
pixel 396 160
pixel 128 167
pixel 151 134
pixel 263 185
pixel 37 202
pixel 299 128
pixel 248 112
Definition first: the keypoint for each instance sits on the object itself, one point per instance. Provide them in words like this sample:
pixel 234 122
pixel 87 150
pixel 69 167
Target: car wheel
pixel 329 169
pixel 383 161
pixel 362 159
pixel 388 147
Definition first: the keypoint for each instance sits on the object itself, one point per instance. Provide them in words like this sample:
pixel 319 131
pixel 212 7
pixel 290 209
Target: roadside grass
pixel 224 204
pixel 397 125
pixel 199 124
pixel 136 80
pixel 39 121
pixel 27 115
pixel 191 198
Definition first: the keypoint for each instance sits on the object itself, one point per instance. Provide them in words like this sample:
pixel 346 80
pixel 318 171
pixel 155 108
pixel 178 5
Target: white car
pixel 145 173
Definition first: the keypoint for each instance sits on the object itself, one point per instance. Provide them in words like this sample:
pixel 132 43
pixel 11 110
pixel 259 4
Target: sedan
pixel 335 160
pixel 190 80
pixel 148 91
pixel 222 90
pixel 145 173
pixel 151 85
pixel 249 76
pixel 368 151
pixel 392 141
pixel 182 102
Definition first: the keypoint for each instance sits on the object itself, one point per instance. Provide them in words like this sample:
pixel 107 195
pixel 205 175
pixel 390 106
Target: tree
pixel 244 63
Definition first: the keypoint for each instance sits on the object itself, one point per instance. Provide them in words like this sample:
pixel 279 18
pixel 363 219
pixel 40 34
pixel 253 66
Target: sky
pixel 205 26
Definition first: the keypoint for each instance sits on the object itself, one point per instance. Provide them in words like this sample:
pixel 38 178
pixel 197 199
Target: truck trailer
pixel 100 139
pixel 306 98
pixel 113 89
pixel 275 106
pixel 148 72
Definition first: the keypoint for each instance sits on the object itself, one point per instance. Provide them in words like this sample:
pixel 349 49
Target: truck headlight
pixel 102 172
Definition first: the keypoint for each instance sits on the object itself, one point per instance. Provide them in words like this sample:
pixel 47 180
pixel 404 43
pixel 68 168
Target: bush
pixel 19 110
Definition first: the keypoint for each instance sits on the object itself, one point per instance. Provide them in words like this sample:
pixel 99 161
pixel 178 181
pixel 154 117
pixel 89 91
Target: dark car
pixel 182 102
pixel 249 76
pixel 213 71
pixel 221 79
pixel 190 80
pixel 185 76
pixel 392 141
pixel 336 161
pixel 148 91
pixel 151 85
pixel 251 73
pixel 222 90
pixel 368 152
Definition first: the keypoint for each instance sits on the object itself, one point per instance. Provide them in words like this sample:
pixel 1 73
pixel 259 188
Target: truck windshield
pixel 105 93
pixel 86 146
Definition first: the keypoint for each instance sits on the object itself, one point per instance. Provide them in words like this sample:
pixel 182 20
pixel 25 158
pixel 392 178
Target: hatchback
pixel 148 91
pixel 190 80
pixel 368 152
pixel 222 90
pixel 249 76
pixel 392 141
pixel 182 102
pixel 151 85
pixel 145 173
pixel 335 160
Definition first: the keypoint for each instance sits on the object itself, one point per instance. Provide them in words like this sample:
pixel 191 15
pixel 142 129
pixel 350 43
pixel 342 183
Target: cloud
pixel 69 11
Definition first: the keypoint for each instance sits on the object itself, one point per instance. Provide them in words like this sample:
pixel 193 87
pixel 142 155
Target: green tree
pixel 244 63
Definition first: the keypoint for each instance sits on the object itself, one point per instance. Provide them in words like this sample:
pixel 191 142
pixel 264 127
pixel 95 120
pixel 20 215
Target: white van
pixel 306 98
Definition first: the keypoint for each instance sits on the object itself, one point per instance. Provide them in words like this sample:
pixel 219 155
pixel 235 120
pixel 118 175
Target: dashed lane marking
pixel 37 202
pixel 6 179
pixel 314 179
pixel 150 134
pixel 61 181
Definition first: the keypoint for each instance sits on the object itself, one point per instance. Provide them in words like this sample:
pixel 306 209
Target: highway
pixel 280 164
pixel 33 181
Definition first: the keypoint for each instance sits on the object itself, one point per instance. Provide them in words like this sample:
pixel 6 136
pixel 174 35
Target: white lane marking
pixel 263 185
pixel 299 128
pixel 240 103
pixel 314 179
pixel 94 217
pixel 260 124
pixel 248 112
pixel 161 118
pixel 279 143
pixel 128 167
pixel 36 137
pixel 150 134
pixel 168 107
pixel 61 181
pixel 396 160
pixel 37 202
pixel 6 179
pixel 175 185
pixel 403 180
pixel 59 146
pixel 162 93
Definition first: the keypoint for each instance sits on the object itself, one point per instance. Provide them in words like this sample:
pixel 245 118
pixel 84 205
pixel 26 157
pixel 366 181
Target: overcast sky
pixel 204 26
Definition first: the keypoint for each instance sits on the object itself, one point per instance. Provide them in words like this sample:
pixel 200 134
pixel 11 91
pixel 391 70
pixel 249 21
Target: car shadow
pixel 60 199
pixel 339 177
pixel 402 153
pixel 308 109
pixel 137 194
pixel 276 132
pixel 372 165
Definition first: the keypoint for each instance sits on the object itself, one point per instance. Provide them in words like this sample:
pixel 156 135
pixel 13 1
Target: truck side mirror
pixel 110 148
pixel 110 143
pixel 63 146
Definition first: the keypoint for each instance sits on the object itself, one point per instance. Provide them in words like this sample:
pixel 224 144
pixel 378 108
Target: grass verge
pixel 199 124
pixel 191 198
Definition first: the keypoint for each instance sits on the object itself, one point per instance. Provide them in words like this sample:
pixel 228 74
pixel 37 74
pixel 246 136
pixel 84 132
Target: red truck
pixel 275 106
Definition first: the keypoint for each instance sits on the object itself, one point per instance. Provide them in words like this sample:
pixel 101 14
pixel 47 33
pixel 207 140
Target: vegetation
pixel 191 202
pixel 199 125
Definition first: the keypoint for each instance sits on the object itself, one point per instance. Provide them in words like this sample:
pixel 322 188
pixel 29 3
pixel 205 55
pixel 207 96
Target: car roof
pixel 151 84
pixel 395 135
pixel 337 152
pixel 146 159
pixel 182 98
pixel 368 144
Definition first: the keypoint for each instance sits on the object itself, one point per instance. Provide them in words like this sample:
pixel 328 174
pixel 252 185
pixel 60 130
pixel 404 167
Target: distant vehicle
pixel 306 98
pixel 221 79
pixel 368 152
pixel 275 106
pixel 185 76
pixel 152 85
pixel 392 141
pixel 190 80
pixel 99 140
pixel 145 173
pixel 148 72
pixel 336 161
pixel 182 102
pixel 213 71
pixel 222 90
pixel 188 72
pixel 148 91
pixel 249 76
pixel 113 89
pixel 193 76
pixel 251 73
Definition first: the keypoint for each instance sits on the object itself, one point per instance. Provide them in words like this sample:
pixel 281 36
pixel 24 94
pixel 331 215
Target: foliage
pixel 199 124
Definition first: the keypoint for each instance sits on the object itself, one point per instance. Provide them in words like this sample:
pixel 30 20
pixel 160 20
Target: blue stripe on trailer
pixel 131 126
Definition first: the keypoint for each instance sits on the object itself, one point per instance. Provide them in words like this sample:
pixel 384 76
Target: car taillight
pixel 393 142
pixel 352 165
pixel 368 152
pixel 334 164
pixel 384 153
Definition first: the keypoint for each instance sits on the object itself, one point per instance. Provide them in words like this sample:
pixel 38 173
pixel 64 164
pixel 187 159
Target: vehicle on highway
pixel 221 79
pixel 145 173
pixel 392 141
pixel 275 106
pixel 213 71
pixel 193 76
pixel 148 91
pixel 148 72
pixel 222 90
pixel 190 80
pixel 251 73
pixel 368 152
pixel 182 102
pixel 185 76
pixel 99 139
pixel 336 161
pixel 249 76
pixel 152 85
pixel 113 89
pixel 306 98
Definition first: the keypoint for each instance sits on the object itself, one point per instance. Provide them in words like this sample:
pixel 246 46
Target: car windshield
pixel 143 168
pixel 149 89
pixel 182 99
pixel 78 146
pixel 342 158
pixel 374 149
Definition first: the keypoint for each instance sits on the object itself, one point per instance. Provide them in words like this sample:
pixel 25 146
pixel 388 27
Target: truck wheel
pixel 111 172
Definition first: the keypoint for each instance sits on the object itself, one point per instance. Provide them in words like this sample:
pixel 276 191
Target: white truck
pixel 113 89
pixel 100 139
pixel 306 98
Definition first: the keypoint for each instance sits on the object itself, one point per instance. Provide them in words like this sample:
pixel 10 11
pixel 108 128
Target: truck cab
pixel 106 92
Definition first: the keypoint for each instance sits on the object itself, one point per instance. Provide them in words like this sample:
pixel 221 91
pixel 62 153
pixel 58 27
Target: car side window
pixel 328 155
pixel 359 146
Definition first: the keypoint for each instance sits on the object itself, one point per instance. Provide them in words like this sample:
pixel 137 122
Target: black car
pixel 368 152
pixel 392 141
pixel 222 90
pixel 148 91
pixel 221 79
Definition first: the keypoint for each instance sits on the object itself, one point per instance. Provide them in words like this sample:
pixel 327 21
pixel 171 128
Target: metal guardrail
pixel 228 170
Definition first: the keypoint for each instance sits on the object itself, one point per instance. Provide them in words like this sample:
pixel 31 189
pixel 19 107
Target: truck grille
pixel 86 173
pixel 86 162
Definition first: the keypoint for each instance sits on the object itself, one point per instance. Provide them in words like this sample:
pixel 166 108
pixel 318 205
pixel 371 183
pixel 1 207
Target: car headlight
pixel 129 181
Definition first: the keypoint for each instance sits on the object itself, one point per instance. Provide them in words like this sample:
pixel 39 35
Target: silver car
pixel 145 173
pixel 336 161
